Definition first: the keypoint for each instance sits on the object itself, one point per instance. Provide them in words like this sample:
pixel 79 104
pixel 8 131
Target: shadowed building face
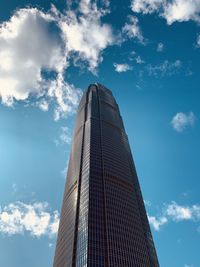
pixel 103 221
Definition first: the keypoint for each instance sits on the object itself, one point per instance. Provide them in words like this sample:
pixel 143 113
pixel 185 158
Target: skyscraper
pixel 103 220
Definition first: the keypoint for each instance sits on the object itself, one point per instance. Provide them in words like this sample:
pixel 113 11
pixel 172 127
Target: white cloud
pixel 26 49
pixel 183 120
pixel 165 68
pixel 132 30
pixel 160 47
pixel 182 10
pixel 122 67
pixel 175 10
pixel 175 212
pixel 178 213
pixel 146 6
pixel 34 45
pixel 186 265
pixel 18 217
pixel 85 36
pixel 157 222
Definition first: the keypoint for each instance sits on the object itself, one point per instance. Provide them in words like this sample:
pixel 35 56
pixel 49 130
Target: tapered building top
pixel 103 220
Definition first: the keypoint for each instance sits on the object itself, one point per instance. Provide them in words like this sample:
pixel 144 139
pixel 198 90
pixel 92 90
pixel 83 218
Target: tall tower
pixel 103 220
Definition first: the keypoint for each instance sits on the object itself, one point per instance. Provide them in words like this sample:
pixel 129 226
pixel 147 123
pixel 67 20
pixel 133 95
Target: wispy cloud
pixel 64 136
pixel 147 203
pixel 175 212
pixel 165 68
pixel 181 121
pixel 139 60
pixel 157 222
pixel 50 245
pixel 66 95
pixel 122 67
pixel 14 188
pixel 132 30
pixel 198 41
pixel 160 47
pixel 175 10
pixel 35 218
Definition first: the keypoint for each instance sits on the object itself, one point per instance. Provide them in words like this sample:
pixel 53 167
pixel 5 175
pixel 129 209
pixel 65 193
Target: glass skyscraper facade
pixel 103 220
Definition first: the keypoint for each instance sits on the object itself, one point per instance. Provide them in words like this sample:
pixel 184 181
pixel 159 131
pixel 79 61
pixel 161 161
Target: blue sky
pixel 147 52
